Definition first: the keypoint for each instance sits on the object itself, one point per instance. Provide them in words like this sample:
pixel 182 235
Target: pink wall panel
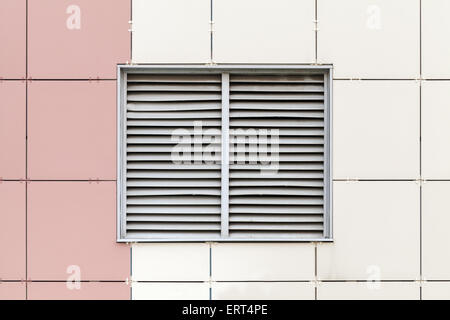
pixel 12 39
pixel 72 225
pixel 77 39
pixel 87 291
pixel 12 230
pixel 12 129
pixel 13 291
pixel 72 130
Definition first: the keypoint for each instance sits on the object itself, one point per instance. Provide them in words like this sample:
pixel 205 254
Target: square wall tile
pixel 262 261
pixel 170 291
pixel 77 39
pixel 376 226
pixel 435 50
pixel 264 31
pixel 436 291
pixel 13 291
pixel 170 262
pixel 85 291
pixel 72 130
pixel 72 232
pixel 171 31
pixel 435 129
pixel 370 39
pixel 12 129
pixel 376 129
pixel 435 235
pixel 263 291
pixel 13 39
pixel 368 291
pixel 12 230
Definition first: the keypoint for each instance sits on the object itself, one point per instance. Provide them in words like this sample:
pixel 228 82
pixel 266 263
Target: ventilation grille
pixel 288 201
pixel 166 197
pixel 174 132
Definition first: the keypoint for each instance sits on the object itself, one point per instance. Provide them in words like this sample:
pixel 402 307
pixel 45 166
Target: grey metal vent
pixel 286 201
pixel 167 198
pixel 284 194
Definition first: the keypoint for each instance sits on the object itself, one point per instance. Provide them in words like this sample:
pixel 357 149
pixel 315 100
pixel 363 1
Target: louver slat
pixel 169 210
pixel 172 78
pixel 278 79
pixel 279 105
pixel 167 198
pixel 274 209
pixel 158 96
pixel 176 123
pixel 171 166
pixel 285 200
pixel 173 218
pixel 175 115
pixel 167 106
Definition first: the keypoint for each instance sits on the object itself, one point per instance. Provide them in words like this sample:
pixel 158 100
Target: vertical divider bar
pixel 225 163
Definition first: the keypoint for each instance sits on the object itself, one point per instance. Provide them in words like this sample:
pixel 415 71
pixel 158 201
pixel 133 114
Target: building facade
pixel 390 153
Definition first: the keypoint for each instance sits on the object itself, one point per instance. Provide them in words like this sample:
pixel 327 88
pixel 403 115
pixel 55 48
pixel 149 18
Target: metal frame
pixel 225 69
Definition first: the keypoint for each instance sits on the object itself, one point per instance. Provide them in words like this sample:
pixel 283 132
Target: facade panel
pixel 368 291
pixel 72 130
pixel 376 128
pixel 170 291
pixel 13 291
pixel 13 39
pixel 171 262
pixel 12 129
pixel 435 219
pixel 376 232
pixel 367 39
pixel 436 291
pixel 262 261
pixel 81 291
pixel 262 291
pixel 71 232
pixel 264 31
pixel 12 234
pixel 435 129
pixel 77 39
pixel 435 51
pixel 174 31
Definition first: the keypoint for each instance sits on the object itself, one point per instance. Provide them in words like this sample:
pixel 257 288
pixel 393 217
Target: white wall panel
pixel 435 235
pixel 262 261
pixel 376 129
pixel 376 232
pixel 167 31
pixel 263 291
pixel 370 39
pixel 435 47
pixel 170 291
pixel 436 129
pixel 170 262
pixel 436 291
pixel 368 291
pixel 254 31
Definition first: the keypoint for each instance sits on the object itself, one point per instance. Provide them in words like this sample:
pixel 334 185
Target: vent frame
pixel 122 74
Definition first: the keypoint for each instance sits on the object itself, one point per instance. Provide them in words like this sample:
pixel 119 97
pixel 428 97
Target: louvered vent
pixel 224 153
pixel 288 201
pixel 167 198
